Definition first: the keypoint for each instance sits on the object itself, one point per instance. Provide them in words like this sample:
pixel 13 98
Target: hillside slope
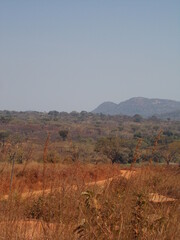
pixel 107 108
pixel 139 105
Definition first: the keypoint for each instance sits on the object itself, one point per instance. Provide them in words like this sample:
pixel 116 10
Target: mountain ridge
pixel 145 107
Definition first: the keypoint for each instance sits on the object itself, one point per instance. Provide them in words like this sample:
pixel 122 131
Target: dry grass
pixel 90 202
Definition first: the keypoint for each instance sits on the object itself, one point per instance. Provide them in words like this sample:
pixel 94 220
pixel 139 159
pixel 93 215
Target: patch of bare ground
pixel 127 174
pixel 157 198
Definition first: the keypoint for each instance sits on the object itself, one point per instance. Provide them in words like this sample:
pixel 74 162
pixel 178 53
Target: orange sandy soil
pixel 123 173
pixel 153 197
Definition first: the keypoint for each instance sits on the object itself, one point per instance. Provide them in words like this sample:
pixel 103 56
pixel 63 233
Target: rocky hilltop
pixel 139 105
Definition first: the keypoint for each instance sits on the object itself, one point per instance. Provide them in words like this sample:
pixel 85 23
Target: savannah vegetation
pixel 87 176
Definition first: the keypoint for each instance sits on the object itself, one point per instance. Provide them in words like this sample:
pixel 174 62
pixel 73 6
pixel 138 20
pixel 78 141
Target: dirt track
pixel 124 173
pixel 153 197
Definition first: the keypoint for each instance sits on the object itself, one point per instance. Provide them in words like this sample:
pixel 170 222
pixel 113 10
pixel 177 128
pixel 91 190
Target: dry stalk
pixel 45 159
pixel 136 153
pixel 155 145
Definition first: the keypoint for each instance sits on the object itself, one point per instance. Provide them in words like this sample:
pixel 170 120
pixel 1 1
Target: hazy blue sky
pixel 74 55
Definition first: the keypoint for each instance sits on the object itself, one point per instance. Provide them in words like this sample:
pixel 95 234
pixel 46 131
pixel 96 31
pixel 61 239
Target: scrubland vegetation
pixel 85 176
pixel 80 136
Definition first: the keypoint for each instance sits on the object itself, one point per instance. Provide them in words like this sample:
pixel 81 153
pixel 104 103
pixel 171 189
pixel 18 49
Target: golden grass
pixel 90 202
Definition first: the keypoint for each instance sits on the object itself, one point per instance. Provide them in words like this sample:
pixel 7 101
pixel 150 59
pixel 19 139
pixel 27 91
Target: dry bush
pixel 73 209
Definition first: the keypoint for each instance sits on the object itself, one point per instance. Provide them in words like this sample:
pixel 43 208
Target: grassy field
pixel 83 176
pixel 71 201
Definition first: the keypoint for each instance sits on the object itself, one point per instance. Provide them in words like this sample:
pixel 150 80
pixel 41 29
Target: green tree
pixel 137 118
pixel 116 149
pixel 171 153
pixel 3 136
pixel 63 134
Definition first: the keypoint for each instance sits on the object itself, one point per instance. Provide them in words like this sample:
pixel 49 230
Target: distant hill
pixel 142 106
pixel 107 108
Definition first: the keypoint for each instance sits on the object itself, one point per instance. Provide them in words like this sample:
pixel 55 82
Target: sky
pixel 73 55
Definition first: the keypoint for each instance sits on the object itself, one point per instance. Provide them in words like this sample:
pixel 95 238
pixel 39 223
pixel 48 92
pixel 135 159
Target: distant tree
pixel 171 153
pixel 53 113
pixel 137 135
pixel 74 114
pixel 63 134
pixel 113 148
pixel 137 118
pixel 5 119
pixel 85 113
pixel 63 114
pixel 3 136
pixel 168 133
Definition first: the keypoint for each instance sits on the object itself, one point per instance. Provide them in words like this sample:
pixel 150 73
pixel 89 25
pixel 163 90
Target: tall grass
pixel 73 209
